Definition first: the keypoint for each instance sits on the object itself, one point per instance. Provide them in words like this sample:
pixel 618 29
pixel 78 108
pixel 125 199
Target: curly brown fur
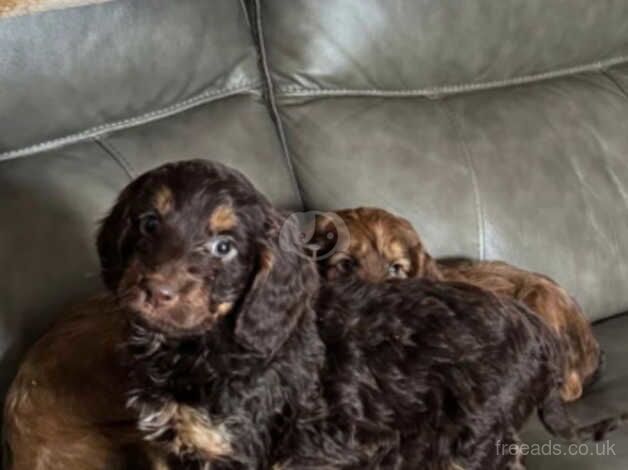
pixel 383 246
pixel 239 359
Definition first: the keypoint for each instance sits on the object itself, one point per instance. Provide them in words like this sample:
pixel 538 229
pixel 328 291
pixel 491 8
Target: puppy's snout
pixel 160 292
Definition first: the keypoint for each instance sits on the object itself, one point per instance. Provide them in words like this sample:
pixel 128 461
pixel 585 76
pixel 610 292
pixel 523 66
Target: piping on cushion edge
pixel 296 90
pixel 102 129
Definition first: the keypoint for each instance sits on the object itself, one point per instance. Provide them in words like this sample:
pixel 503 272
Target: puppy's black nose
pixel 160 293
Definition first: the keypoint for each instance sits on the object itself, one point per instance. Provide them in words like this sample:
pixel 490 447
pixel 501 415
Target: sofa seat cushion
pixel 608 397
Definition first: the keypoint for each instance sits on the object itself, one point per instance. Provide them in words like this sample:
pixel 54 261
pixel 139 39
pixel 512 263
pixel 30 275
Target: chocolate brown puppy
pixel 382 246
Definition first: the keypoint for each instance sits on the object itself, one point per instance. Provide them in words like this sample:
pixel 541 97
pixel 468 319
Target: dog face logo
pixel 320 235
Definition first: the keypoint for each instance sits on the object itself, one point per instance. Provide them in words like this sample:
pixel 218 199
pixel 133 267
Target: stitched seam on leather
pixel 479 207
pixel 116 156
pixel 258 35
pixel 296 90
pixel 96 131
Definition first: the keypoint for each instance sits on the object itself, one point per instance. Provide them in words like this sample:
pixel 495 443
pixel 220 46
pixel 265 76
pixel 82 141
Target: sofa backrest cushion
pixel 71 74
pixel 497 128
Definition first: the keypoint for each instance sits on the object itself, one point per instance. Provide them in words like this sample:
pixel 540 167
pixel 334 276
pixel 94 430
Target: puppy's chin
pixel 182 319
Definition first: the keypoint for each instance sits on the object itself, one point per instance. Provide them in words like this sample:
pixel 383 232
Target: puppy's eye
pixel 346 265
pixel 223 248
pixel 397 271
pixel 149 224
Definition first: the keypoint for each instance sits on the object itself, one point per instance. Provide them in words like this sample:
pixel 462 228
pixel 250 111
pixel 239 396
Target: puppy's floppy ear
pixel 110 241
pixel 281 292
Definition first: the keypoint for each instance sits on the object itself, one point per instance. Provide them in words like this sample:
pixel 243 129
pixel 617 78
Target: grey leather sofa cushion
pixel 431 47
pixel 50 208
pixel 84 71
pixel 513 172
pixel 236 130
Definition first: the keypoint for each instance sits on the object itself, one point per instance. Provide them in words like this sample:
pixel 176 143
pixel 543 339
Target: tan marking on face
pixel 222 219
pixel 163 200
pixel 224 308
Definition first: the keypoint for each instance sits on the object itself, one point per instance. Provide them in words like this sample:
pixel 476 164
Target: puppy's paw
pixel 185 431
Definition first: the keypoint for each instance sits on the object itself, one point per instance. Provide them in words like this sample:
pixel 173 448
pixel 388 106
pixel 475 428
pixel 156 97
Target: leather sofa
pixel 499 128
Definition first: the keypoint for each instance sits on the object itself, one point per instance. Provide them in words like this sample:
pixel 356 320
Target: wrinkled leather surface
pixel 620 76
pixel 427 45
pixel 606 398
pixel 395 153
pixel 67 71
pixel 50 208
pixel 236 131
pixel 514 174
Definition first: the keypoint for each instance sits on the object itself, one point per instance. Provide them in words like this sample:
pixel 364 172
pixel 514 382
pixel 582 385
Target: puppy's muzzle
pixel 168 293
pixel 159 292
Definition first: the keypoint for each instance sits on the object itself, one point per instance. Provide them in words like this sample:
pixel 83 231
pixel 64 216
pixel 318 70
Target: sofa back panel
pixel 534 175
pixel 436 46
pixel 552 168
pixel 115 64
pixel 237 131
pixel 50 208
pixel 400 154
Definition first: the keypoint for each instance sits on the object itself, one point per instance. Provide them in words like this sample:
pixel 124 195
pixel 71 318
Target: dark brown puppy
pixel 383 246
pixel 239 359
